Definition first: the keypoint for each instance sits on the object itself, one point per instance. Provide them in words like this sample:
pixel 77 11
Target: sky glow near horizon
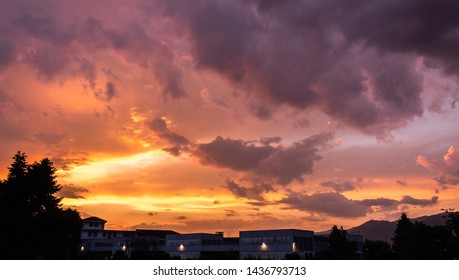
pixel 204 116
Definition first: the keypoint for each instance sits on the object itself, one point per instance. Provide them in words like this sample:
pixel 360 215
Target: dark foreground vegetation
pixel 33 223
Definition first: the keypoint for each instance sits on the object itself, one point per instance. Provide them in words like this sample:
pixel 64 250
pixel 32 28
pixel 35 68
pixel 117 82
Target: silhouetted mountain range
pixel 384 230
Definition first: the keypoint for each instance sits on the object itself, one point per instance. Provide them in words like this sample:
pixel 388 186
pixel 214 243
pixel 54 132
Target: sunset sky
pixel 204 116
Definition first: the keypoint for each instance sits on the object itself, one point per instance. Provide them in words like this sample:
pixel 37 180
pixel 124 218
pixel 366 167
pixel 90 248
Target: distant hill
pixel 375 230
pixel 384 230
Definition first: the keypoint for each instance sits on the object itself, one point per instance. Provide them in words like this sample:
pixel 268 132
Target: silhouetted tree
pixel 377 250
pixel 418 241
pixel 34 224
pixel 339 246
pixel 402 241
pixel 452 223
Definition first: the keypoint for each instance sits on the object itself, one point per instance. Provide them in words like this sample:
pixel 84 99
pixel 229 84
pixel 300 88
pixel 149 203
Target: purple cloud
pixel 354 61
pixel 337 205
pixel 340 186
pixel 177 142
pixel 280 165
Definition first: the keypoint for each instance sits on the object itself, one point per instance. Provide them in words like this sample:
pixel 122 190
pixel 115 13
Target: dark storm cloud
pixel 72 191
pixel 428 28
pixel 281 165
pixel 356 60
pixel 176 141
pixel 339 186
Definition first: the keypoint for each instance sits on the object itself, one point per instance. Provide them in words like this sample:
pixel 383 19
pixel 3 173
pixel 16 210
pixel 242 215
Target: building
pixel 103 243
pixel 276 244
pixel 200 245
pixel 96 239
pixel 97 242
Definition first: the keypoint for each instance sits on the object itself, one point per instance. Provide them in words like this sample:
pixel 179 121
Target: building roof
pixel 94 219
pixel 154 232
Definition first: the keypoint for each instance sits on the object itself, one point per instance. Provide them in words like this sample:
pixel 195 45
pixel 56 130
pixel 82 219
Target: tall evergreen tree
pixel 402 237
pixel 339 246
pixel 35 224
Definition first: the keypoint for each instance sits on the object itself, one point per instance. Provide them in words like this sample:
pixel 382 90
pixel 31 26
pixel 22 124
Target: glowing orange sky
pixel 225 116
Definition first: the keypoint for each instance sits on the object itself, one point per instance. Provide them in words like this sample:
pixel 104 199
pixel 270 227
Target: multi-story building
pixel 275 244
pixel 199 245
pixel 95 239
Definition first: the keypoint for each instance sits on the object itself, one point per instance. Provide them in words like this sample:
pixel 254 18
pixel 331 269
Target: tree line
pixel 411 241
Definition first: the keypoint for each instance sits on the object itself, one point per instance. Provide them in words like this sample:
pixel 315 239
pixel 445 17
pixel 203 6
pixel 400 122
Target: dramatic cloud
pixel 255 192
pixel 279 164
pixel 446 168
pixel 72 191
pixel 58 48
pixel 354 61
pixel 337 205
pixel 391 204
pixel 177 142
pixel 420 202
pixel 233 154
pixel 383 202
pixel 340 186
pixel 333 204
